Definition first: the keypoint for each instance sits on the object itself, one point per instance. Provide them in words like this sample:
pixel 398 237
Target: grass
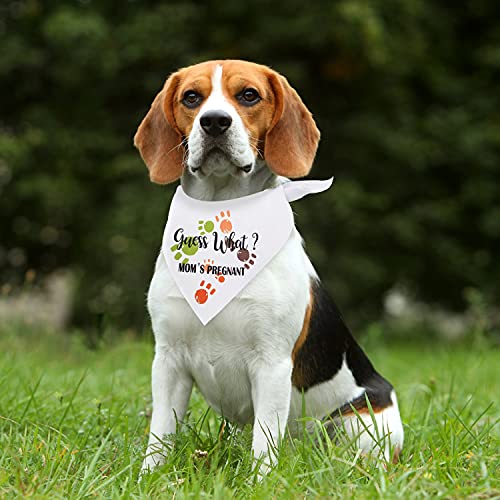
pixel 73 423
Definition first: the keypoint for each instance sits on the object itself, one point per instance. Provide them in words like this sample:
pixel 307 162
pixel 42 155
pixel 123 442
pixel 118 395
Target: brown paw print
pixel 245 256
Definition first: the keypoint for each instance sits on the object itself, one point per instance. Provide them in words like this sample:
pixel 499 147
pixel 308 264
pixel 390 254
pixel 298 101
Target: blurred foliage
pixel 406 95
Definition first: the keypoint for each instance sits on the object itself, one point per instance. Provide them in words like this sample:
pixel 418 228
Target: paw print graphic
pixel 186 251
pixel 205 226
pixel 208 262
pixel 211 262
pixel 224 220
pixel 203 293
pixel 245 256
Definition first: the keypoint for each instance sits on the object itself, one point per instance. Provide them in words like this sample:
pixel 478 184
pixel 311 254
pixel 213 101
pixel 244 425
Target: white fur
pixel 241 360
pixel 323 398
pixel 382 433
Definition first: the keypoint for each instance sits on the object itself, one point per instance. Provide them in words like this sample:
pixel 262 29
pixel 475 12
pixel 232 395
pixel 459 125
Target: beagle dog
pixel 229 129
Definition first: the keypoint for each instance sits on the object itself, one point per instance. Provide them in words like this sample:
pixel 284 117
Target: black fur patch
pixel 328 340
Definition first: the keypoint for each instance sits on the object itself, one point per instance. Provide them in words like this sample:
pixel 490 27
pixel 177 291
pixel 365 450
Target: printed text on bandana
pixel 218 236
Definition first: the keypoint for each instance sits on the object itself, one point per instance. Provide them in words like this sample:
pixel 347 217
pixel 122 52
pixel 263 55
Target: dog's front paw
pixel 263 464
pixel 264 468
pixel 155 456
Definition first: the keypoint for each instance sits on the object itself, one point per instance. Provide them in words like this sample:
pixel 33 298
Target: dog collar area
pixel 294 190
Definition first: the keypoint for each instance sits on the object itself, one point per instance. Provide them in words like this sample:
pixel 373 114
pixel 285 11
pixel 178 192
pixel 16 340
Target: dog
pixel 228 129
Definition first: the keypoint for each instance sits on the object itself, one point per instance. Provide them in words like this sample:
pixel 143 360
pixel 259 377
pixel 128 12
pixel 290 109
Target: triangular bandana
pixel 214 249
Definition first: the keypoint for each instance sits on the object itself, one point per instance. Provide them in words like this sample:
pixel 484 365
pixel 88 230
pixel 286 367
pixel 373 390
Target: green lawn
pixel 74 422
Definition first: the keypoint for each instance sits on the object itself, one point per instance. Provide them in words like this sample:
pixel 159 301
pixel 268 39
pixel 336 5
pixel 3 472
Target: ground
pixel 74 422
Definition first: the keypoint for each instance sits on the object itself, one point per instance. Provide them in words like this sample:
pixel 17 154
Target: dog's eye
pixel 191 99
pixel 248 97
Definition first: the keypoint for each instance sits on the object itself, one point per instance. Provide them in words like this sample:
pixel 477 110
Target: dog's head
pixel 220 118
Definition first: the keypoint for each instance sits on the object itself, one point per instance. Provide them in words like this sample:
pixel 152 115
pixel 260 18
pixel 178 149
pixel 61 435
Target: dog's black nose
pixel 215 123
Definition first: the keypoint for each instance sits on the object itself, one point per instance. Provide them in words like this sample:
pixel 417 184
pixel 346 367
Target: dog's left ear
pixel 292 139
pixel 158 139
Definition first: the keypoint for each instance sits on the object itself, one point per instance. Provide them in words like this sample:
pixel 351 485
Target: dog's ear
pixel 158 139
pixel 292 139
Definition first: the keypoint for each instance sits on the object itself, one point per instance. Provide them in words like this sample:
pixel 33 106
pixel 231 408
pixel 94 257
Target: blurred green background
pixel 406 94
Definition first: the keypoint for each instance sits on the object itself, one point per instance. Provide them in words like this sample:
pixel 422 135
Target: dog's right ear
pixel 292 139
pixel 158 139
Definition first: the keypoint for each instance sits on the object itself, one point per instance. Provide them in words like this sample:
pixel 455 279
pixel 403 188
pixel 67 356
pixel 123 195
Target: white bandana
pixel 214 249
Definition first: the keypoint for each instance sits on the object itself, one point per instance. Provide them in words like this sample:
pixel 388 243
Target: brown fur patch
pixel 298 374
pixel 361 406
pixel 158 140
pixel 199 79
pixel 293 137
pixel 305 329
pixel 240 75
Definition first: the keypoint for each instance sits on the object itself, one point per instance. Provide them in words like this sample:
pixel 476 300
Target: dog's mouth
pixel 219 163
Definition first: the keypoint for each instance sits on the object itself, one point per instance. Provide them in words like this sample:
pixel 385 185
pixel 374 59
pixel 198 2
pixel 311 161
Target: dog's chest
pixel 220 363
pixel 259 326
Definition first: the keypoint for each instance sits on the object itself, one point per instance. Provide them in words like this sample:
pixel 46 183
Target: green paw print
pixel 185 250
pixel 205 226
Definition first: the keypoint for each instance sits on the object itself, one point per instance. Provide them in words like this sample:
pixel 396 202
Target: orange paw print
pixel 208 262
pixel 224 224
pixel 203 293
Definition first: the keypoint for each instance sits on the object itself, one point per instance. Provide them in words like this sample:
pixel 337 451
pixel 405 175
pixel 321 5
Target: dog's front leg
pixel 171 392
pixel 271 393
